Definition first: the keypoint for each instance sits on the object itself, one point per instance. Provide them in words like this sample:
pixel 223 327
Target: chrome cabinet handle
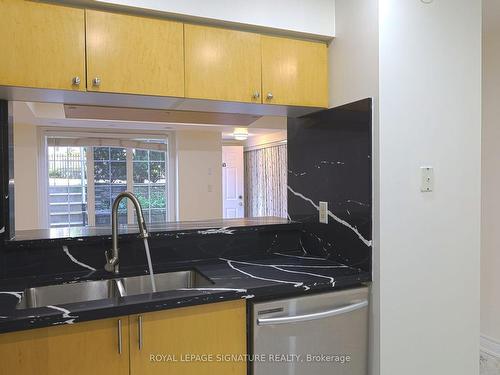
pixel 269 96
pixel 76 81
pixel 256 95
pixel 139 319
pixel 119 336
pixel 96 81
pixel 313 316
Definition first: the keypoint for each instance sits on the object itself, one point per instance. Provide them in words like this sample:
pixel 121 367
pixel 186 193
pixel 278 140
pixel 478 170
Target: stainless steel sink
pixel 165 281
pixel 102 289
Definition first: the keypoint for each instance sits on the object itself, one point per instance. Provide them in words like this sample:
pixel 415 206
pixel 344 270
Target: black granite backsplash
pixel 45 257
pixel 330 160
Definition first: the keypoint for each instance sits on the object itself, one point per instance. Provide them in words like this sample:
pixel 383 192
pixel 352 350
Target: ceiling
pixel 112 118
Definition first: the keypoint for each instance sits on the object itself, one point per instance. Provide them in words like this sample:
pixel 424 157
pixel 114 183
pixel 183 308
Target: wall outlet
pixel 323 212
pixel 427 179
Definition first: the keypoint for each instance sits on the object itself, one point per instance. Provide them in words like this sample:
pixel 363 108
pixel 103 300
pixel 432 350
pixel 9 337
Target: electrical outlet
pixel 427 179
pixel 323 212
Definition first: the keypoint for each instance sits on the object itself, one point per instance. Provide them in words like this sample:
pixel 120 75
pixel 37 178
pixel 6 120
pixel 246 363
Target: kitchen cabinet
pixel 222 64
pixel 212 329
pixel 294 72
pixel 135 344
pixel 69 48
pixel 135 55
pixel 83 348
pixel 43 45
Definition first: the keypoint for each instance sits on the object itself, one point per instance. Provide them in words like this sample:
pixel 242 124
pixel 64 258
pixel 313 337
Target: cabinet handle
pixel 139 318
pixel 76 81
pixel 119 336
pixel 96 81
pixel 256 95
pixel 269 96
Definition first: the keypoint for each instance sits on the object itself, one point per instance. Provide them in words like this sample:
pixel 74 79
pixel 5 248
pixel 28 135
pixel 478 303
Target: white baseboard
pixel 490 345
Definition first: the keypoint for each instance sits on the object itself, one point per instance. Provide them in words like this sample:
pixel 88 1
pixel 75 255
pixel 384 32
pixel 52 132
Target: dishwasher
pixel 317 334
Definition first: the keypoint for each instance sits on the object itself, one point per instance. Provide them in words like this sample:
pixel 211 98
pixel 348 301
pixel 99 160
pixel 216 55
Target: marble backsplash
pixel 330 160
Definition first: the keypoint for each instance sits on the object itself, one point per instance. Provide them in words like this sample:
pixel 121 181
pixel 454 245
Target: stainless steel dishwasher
pixel 317 334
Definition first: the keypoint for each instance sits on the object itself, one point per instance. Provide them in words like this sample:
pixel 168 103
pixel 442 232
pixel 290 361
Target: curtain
pixel 266 182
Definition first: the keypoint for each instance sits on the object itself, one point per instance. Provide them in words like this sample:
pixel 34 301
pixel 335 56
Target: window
pixel 84 181
pixel 67 198
pixel 149 169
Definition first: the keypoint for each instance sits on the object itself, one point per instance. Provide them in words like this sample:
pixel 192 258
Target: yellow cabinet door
pixel 294 72
pixel 136 55
pixel 199 340
pixel 42 45
pixel 79 349
pixel 222 64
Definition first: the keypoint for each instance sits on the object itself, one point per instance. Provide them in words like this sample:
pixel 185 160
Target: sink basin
pixel 102 289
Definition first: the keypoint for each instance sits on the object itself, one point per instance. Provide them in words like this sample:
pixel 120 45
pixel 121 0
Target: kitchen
pixel 117 249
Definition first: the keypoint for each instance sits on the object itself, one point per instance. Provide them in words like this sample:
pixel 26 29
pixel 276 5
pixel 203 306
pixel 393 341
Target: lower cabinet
pixel 205 339
pixel 84 348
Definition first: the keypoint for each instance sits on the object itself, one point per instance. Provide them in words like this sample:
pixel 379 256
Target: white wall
pixel 353 54
pixel 199 175
pixel 354 74
pixel 303 16
pixel 430 114
pixel 490 241
pixel 26 176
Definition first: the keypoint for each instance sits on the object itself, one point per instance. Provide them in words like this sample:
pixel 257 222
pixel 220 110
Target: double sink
pixel 112 288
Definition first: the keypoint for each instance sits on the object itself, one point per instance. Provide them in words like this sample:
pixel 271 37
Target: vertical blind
pixel 266 181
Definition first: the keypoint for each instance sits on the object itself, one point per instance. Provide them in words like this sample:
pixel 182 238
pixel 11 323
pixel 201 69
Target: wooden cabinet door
pixel 135 55
pixel 222 64
pixel 170 337
pixel 42 45
pixel 79 349
pixel 294 72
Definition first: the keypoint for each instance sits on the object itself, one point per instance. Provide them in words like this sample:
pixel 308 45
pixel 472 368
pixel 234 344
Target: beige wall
pixel 199 175
pixel 353 75
pixel 490 240
pixel 264 139
pixel 199 158
pixel 26 177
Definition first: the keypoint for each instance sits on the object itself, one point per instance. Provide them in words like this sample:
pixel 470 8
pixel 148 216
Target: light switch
pixel 323 212
pixel 427 179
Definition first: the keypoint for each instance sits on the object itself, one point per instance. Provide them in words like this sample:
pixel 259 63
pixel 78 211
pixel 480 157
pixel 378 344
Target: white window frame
pixel 45 132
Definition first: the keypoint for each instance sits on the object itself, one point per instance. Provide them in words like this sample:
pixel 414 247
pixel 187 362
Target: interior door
pixel 232 182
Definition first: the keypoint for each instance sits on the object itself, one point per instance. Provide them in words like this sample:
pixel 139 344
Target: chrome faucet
pixel 113 259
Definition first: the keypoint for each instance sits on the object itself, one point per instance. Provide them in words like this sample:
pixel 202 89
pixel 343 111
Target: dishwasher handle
pixel 313 316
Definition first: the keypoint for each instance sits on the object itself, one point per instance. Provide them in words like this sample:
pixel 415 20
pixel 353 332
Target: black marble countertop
pixel 89 234
pixel 275 275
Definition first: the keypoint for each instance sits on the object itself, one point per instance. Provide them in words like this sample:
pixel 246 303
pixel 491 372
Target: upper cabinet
pixel 135 55
pixel 222 64
pixel 42 45
pixel 59 47
pixel 294 72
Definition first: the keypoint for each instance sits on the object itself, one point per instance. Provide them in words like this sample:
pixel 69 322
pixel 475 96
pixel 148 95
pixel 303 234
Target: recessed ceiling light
pixel 240 134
